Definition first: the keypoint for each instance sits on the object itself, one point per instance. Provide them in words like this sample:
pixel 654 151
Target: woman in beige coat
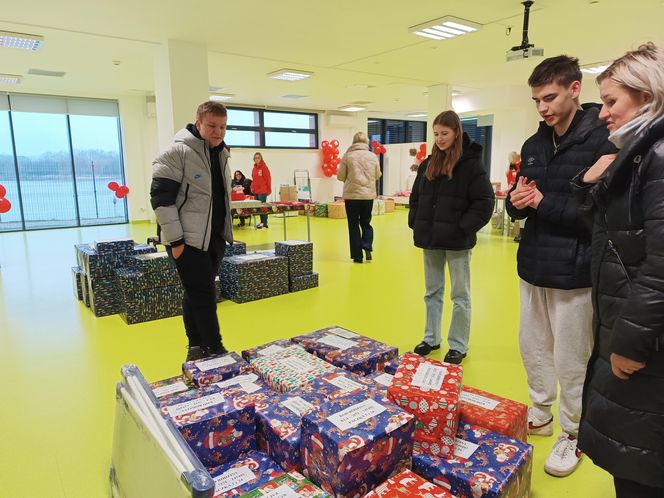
pixel 359 169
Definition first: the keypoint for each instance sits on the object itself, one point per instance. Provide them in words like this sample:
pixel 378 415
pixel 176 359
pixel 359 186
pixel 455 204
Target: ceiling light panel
pixel 352 108
pixel 445 28
pixel 594 68
pixel 417 115
pixel 290 75
pixel 221 97
pixel 21 41
pixel 10 79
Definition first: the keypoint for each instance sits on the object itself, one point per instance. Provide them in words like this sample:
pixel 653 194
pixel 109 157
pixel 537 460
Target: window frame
pixel 261 129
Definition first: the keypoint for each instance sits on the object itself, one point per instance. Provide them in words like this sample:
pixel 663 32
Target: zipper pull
pixel 611 244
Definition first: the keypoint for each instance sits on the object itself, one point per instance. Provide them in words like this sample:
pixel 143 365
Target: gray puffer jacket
pixel 181 192
pixel 359 169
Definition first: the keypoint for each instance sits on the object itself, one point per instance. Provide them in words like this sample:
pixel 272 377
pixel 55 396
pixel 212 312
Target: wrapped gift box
pixel 378 207
pixel 248 386
pixel 485 465
pixel 352 444
pixel 266 349
pixel 335 385
pixel 279 427
pixel 429 390
pixel 236 248
pixel 382 381
pixel 216 431
pixel 152 262
pixel 249 472
pixel 249 277
pixel 291 368
pixel 408 484
pixel 300 254
pixel 173 385
pixel 497 414
pixel 303 282
pixel 336 210
pixel 214 369
pixel 137 313
pixel 391 366
pixel 133 281
pixel 105 297
pixel 320 210
pixel 98 265
pixel 389 203
pixel 347 350
pixel 290 485
pixel 76 273
pixel 115 245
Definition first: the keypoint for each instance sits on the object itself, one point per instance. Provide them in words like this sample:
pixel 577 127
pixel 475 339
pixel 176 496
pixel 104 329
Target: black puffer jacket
pixel 622 426
pixel 555 242
pixel 446 214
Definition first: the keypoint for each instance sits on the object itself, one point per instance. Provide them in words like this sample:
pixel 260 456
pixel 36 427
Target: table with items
pixel 255 208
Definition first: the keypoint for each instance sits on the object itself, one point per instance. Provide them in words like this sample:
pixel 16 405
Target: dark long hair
pixel 442 163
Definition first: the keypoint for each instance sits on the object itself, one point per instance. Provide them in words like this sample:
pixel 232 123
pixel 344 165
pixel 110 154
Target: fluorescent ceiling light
pixel 290 75
pixel 10 79
pixel 352 108
pixel 293 96
pixel 21 41
pixel 214 88
pixel 595 68
pixel 221 97
pixel 444 28
pixel 417 115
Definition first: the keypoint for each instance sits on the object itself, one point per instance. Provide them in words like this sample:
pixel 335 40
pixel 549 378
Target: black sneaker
pixel 367 254
pixel 454 356
pixel 216 351
pixel 195 353
pixel 423 348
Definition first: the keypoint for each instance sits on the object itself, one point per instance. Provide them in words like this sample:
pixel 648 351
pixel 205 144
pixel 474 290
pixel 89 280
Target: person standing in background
pixel 452 199
pixel 261 184
pixel 359 170
pixel 553 260
pixel 190 195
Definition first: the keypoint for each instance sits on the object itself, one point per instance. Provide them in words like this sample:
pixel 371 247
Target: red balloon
pixel 335 151
pixel 123 189
pixel 3 190
pixel 5 205
pixel 113 186
pixel 119 194
pixel 423 149
pixel 324 144
pixel 335 143
pixel 335 161
pixel 374 143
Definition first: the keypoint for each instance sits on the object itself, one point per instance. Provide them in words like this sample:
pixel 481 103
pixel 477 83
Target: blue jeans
pixel 262 198
pixel 434 278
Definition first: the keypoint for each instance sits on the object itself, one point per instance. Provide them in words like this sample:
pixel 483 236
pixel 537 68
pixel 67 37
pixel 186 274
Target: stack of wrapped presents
pixel 318 415
pixel 248 277
pixel 300 255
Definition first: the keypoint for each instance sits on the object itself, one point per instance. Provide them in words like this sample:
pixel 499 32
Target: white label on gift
pixel 175 387
pixel 294 242
pixel 384 379
pixel 270 350
pixel 206 365
pixel 341 332
pixel 233 478
pixel 464 449
pixel 338 342
pixel 252 257
pixel 250 387
pixel 195 405
pixel 478 400
pixel 283 491
pixel 429 376
pixel 237 380
pixel 356 414
pixel 344 383
pixel 298 406
pixel 296 364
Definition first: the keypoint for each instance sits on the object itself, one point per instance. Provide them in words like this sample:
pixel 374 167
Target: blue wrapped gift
pixel 241 476
pixel 214 369
pixel 485 465
pixel 352 444
pixel 337 384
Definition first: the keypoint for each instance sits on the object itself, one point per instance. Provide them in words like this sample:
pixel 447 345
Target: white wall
pixel 397 175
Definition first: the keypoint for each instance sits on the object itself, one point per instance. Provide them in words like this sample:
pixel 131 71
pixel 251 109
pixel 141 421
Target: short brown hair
pixel 562 69
pixel 212 107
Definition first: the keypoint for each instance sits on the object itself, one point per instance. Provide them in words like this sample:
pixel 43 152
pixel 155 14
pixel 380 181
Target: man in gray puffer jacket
pixel 190 195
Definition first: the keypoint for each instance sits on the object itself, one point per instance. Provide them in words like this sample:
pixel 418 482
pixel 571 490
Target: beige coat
pixel 359 169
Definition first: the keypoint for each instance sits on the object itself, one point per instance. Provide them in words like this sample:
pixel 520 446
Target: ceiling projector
pixel 526 49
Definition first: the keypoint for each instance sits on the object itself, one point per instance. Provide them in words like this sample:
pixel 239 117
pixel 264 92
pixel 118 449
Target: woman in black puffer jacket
pixel 452 198
pixel 622 425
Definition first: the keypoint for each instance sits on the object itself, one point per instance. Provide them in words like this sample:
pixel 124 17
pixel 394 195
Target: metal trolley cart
pixel 150 458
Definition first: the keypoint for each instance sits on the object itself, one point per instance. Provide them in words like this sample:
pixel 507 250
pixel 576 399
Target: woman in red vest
pixel 261 184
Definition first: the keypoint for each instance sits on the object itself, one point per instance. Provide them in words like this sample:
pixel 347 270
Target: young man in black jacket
pixel 553 260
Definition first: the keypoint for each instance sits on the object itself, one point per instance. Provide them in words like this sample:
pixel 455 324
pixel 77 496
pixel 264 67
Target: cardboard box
pixel 495 413
pixel 243 475
pixel 408 484
pixel 214 369
pixel 430 390
pixel 290 485
pixel 287 193
pixel 485 464
pixel 336 210
pixel 352 444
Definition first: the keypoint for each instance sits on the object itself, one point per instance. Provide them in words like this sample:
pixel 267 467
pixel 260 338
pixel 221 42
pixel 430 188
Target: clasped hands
pixel 525 194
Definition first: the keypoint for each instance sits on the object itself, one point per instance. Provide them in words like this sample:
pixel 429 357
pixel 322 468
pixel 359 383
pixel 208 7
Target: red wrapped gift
pixel 430 390
pixel 497 414
pixel 408 484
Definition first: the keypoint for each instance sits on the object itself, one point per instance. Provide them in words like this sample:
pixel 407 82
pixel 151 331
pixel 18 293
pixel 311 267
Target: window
pixel 57 156
pixel 271 129
pixel 482 135
pixel 391 131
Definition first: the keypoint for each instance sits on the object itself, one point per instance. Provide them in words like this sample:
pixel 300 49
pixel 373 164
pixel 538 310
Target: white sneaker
pixel 539 427
pixel 260 225
pixel 564 456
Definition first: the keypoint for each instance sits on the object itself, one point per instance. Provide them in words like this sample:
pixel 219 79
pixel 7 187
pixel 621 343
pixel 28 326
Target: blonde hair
pixel 513 157
pixel 641 70
pixel 360 136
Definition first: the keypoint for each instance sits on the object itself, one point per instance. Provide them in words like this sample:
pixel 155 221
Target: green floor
pixel 60 363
